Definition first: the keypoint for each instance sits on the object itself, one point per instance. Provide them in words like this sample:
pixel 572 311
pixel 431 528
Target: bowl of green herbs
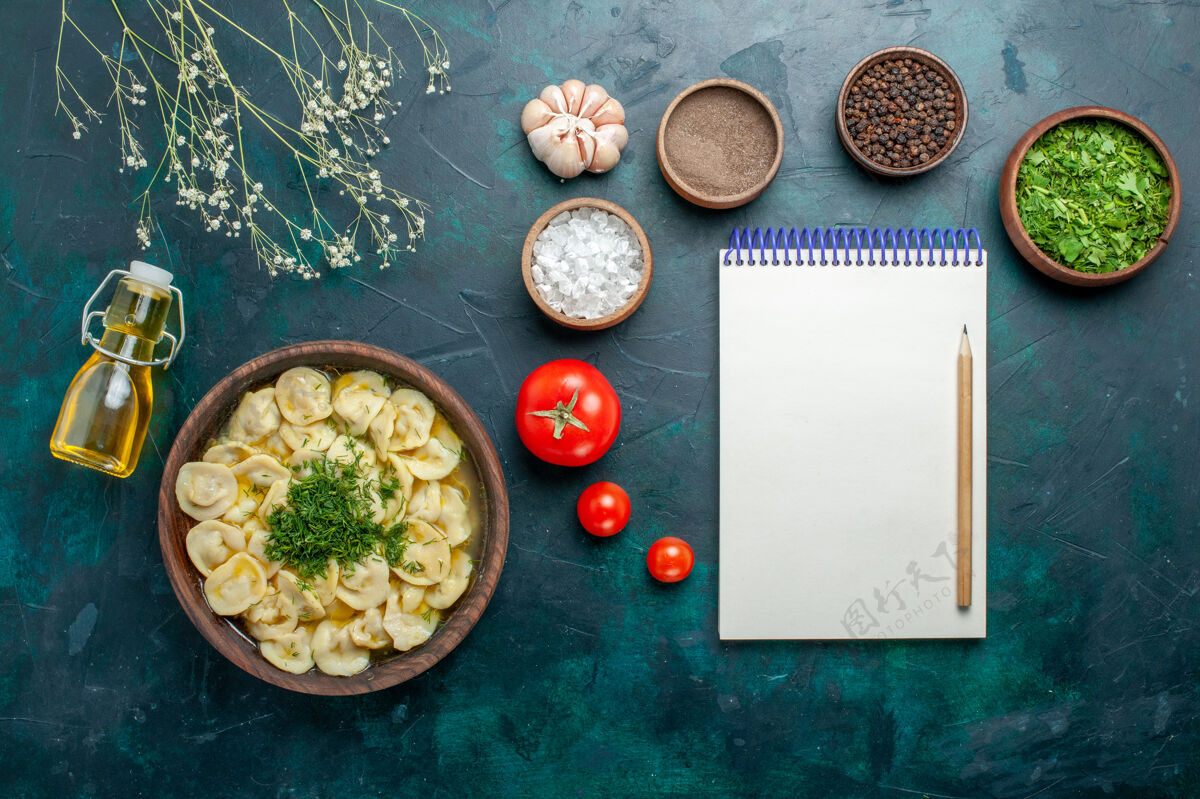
pixel 1090 196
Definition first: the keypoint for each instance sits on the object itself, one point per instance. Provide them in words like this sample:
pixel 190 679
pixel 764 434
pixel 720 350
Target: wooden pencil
pixel 964 471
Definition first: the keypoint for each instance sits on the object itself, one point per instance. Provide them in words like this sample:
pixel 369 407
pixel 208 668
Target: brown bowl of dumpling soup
pixel 333 518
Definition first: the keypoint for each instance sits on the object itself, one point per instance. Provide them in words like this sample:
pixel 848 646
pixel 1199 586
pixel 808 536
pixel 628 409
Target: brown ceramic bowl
pixel 1012 218
pixel 890 54
pixel 600 322
pixel 672 173
pixel 204 423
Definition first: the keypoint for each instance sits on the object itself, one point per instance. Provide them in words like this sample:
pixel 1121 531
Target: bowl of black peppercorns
pixel 901 112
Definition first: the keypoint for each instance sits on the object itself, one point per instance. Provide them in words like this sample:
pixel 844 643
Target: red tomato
pixel 603 509
pixel 670 559
pixel 567 413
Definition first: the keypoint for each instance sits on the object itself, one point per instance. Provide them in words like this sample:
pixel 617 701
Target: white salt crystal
pixel 587 263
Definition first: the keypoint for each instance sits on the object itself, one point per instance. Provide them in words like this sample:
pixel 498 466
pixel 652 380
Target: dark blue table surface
pixel 584 677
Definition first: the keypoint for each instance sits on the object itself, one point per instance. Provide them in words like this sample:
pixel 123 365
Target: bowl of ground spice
pixel 901 112
pixel 720 143
pixel 1090 196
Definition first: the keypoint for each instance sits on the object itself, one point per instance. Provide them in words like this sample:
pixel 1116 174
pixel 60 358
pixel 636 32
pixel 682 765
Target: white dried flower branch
pixel 202 110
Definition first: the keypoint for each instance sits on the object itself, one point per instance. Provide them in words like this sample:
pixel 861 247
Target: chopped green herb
pixel 395 542
pixel 388 485
pixel 1093 195
pixel 427 615
pixel 328 515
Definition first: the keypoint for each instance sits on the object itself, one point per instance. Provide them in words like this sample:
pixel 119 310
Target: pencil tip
pixel 964 330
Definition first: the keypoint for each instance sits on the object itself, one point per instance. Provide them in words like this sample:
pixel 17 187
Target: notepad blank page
pixel 838 435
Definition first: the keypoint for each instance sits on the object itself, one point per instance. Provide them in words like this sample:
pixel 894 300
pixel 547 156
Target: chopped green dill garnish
pixel 388 485
pixel 427 615
pixel 395 542
pixel 328 515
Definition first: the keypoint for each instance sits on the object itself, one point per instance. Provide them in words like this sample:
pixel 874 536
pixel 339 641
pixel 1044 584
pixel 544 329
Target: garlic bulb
pixel 574 127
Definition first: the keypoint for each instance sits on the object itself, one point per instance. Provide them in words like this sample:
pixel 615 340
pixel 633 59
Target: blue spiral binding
pixel 832 246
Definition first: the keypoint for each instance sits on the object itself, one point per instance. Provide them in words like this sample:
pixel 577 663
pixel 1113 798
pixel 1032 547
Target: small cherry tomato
pixel 670 559
pixel 567 413
pixel 603 509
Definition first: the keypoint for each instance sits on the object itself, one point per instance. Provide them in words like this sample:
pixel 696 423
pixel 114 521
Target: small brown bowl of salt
pixel 720 143
pixel 587 263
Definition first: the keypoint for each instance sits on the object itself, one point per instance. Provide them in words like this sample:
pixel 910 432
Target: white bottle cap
pixel 150 273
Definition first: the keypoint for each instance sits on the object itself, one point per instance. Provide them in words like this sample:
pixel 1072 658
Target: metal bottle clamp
pixel 88 315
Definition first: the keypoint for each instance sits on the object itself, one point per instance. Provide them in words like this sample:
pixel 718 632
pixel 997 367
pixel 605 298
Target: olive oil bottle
pixel 105 413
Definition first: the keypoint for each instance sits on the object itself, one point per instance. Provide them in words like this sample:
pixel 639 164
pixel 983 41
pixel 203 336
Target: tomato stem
pixel 562 416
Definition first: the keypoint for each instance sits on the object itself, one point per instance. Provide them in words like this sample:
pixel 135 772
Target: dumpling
pixel 438 456
pixel 246 505
pixel 365 584
pixel 270 618
pixel 276 497
pixel 426 559
pixel 387 493
pixel 443 505
pixel 302 395
pixel 256 416
pixel 381 428
pixel 408 629
pixel 426 503
pixel 228 453
pixel 262 470
pixel 235 585
pixel 303 602
pixel 414 418
pixel 347 450
pixel 205 490
pixel 301 461
pixel 357 397
pixel 447 592
pixel 256 545
pixel 316 436
pixel 336 653
pixel 454 519
pixel 291 653
pixel 410 596
pixel 211 543
pixel 367 630
pixel 326 587
pixel 397 470
pixel 275 445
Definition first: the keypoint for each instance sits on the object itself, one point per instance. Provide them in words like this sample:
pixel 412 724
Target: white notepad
pixel 838 437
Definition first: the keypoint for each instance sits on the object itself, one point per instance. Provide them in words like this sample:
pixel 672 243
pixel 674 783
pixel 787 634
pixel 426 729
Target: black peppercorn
pixel 901 113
